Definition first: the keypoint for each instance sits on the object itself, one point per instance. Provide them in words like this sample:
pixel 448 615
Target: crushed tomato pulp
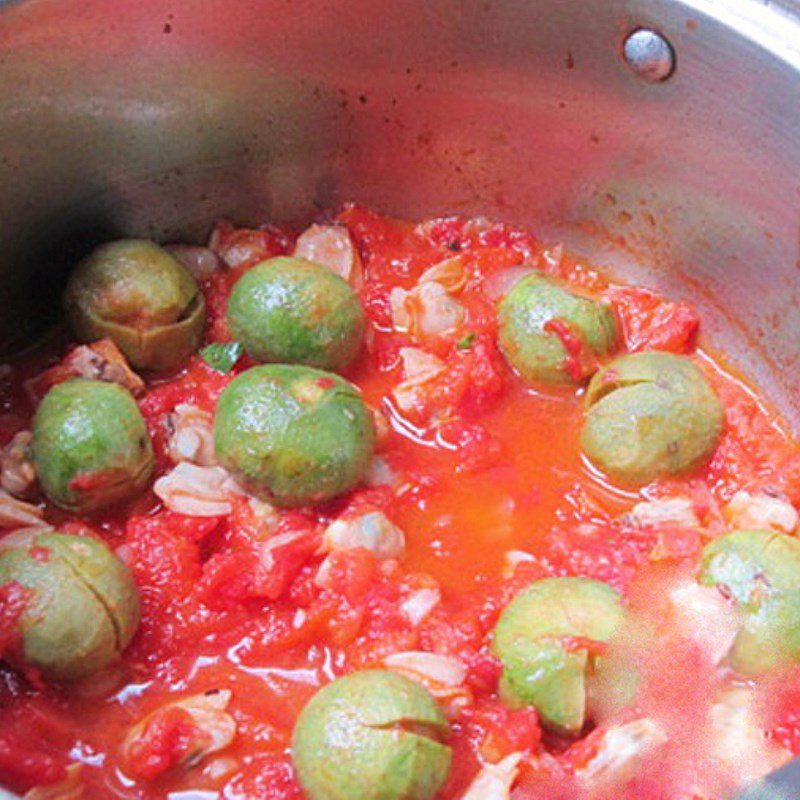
pixel 484 476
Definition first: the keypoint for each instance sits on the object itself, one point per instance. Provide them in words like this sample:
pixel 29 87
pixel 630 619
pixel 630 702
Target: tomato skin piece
pixel 216 289
pixel 226 580
pixel 476 448
pixel 35 739
pixel 508 730
pixel 165 561
pixel 606 552
pixel 350 573
pixel 488 731
pixel 754 453
pixel 676 544
pixel 784 712
pixel 268 777
pixel 280 630
pixel 470 383
pixel 254 560
pixel 478 372
pixel 287 563
pixel 198 384
pixel 362 501
pixel 390 249
pixel 241 575
pixel 484 671
pixel 375 298
pixel 162 745
pixel 580 361
pixel 461 233
pixel 166 556
pixel 23 765
pixel 649 322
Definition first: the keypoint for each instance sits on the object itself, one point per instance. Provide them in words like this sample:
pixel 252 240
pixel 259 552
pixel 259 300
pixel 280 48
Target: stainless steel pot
pixel 154 117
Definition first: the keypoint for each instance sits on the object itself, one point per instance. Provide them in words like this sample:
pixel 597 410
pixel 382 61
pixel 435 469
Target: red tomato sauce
pixel 478 466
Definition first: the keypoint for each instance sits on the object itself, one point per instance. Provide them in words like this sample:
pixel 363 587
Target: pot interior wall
pixel 153 118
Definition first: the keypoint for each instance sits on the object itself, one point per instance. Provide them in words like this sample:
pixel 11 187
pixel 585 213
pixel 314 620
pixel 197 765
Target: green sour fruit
pixel 760 571
pixel 81 606
pixel 371 735
pixel 140 296
pixel 292 311
pixel 543 639
pixel 90 445
pixel 649 415
pixel 293 435
pixel 530 317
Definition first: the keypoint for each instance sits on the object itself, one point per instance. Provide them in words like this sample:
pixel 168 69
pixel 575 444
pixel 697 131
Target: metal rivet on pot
pixel 649 55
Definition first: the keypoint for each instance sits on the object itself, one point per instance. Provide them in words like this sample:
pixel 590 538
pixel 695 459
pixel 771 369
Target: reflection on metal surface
pixel 773 26
pixel 649 55
pixel 160 118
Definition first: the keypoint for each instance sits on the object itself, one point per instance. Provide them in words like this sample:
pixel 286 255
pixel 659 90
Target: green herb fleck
pixel 222 356
pixel 466 342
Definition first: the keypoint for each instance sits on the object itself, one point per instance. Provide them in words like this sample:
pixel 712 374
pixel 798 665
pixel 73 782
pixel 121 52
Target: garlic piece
pixel 419 369
pixel 16 513
pixel 419 604
pixel 512 559
pixel 426 311
pixel 103 361
pixel 202 262
pixel 17 473
pixel 373 531
pixel 443 676
pixel 433 667
pixel 331 246
pixel 191 435
pixel 760 511
pixel 196 491
pixel 675 511
pixel 495 781
pixel 450 273
pixel 621 751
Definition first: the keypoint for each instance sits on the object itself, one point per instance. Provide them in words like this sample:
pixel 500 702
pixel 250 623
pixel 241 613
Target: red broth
pixel 481 466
